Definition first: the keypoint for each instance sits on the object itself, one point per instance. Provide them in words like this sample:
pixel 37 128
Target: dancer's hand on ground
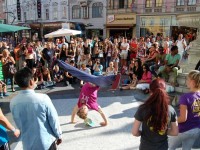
pixel 103 124
pixel 74 121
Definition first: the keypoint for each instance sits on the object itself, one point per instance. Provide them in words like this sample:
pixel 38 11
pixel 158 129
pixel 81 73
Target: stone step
pixel 181 89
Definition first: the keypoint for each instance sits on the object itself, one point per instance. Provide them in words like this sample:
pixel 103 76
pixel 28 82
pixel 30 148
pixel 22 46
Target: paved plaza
pixel 119 106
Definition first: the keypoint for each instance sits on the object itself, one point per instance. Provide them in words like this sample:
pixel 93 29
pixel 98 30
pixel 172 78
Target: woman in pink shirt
pixel 143 84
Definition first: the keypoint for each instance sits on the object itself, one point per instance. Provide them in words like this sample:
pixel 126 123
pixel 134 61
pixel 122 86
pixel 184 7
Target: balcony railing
pixel 119 11
pixel 166 8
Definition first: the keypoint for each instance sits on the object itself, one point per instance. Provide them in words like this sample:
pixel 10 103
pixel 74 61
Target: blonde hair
pixel 195 75
pixel 82 115
pixel 5 51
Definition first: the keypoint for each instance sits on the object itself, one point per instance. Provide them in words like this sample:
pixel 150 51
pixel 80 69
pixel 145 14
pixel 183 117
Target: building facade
pixel 120 18
pixel 43 16
pixel 159 16
pixel 2 11
pixel 92 14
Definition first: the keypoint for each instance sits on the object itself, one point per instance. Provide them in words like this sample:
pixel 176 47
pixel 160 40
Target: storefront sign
pixel 110 18
pixel 121 19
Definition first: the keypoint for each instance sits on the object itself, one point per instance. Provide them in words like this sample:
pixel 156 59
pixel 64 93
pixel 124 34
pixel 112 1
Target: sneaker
pixel 1 96
pixel 5 94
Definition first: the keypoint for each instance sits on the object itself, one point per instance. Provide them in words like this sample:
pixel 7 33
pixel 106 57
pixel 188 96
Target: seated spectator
pixel 137 70
pixel 47 78
pixel 160 60
pixel 90 66
pixel 57 74
pixel 151 59
pixel 131 67
pixel 68 78
pixel 82 61
pixel 146 79
pixel 98 68
pixel 131 85
pixel 84 69
pixel 110 70
pixel 171 65
pixel 38 77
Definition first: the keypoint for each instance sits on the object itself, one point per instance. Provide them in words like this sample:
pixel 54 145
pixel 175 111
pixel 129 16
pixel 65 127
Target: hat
pixel 89 122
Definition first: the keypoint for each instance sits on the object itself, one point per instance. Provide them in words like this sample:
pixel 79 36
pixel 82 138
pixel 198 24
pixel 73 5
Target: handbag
pixel 185 54
pixel 12 69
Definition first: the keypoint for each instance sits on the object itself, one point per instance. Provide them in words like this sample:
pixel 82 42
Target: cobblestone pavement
pixel 119 106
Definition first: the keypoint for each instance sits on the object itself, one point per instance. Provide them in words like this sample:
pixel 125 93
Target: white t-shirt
pixel 125 45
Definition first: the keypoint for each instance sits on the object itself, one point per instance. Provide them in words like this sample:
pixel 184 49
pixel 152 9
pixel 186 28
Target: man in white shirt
pixel 181 43
pixel 124 52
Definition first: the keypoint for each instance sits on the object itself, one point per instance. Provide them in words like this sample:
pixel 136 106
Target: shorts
pixel 116 60
pixel 124 54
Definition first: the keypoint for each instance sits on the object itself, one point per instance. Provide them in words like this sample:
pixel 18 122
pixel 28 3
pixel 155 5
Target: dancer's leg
pixel 102 81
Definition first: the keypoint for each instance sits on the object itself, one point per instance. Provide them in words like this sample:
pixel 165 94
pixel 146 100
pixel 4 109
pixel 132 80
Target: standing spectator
pixel 141 48
pixel 16 52
pixel 133 48
pixel 115 57
pixel 30 56
pixel 63 52
pixel 63 41
pixel 108 53
pixel 48 55
pixel 39 125
pixel 7 62
pixel 189 117
pixel 181 43
pixel 124 52
pixel 157 118
pixel 148 45
pixel 166 45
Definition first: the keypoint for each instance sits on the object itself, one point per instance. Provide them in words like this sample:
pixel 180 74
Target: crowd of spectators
pixel 140 59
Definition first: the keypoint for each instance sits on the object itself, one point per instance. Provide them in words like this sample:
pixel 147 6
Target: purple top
pixel 192 101
pixel 88 96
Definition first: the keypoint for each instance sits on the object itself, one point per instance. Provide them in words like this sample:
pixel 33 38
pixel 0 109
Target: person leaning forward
pixel 35 115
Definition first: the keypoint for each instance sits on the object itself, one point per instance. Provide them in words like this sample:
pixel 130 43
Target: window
pixel 47 13
pixel 55 12
pixel 191 2
pixel 97 10
pixel 148 3
pixel 85 12
pixel 76 12
pixel 25 16
pixel 121 4
pixel 180 2
pixel 64 12
pixel 159 3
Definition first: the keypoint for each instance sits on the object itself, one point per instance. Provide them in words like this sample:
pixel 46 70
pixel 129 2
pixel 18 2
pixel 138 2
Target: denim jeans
pixel 185 139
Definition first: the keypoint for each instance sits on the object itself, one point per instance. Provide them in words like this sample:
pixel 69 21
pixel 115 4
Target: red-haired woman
pixel 157 118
